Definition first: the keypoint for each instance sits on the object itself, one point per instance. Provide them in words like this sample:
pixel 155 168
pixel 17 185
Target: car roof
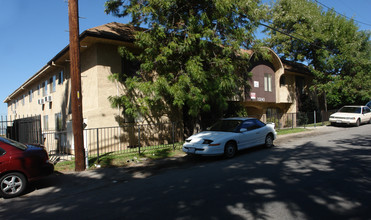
pixel 357 106
pixel 237 118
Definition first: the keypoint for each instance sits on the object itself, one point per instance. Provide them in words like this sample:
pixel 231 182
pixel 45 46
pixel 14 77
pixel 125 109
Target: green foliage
pixel 190 54
pixel 338 53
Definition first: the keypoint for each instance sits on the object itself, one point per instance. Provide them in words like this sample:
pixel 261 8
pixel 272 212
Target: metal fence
pixel 139 138
pixel 294 120
pixel 132 138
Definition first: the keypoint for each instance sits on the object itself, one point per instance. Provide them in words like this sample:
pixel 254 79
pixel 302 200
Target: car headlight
pixel 210 142
pixel 206 141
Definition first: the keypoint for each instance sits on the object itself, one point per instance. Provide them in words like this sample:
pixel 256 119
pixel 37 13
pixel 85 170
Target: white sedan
pixel 351 115
pixel 229 135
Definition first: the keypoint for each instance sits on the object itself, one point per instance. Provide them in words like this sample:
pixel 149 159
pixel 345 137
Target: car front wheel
pixel 358 122
pixel 12 185
pixel 230 150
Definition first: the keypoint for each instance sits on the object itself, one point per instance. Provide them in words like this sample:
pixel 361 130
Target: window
pixel 366 110
pixel 52 82
pixel 46 122
pixel 2 151
pixel 267 82
pixel 58 121
pixel 282 81
pixel 44 85
pixel 30 94
pixel 252 124
pixel 273 115
pixel 23 97
pixel 60 77
pixel 129 68
pixel 38 89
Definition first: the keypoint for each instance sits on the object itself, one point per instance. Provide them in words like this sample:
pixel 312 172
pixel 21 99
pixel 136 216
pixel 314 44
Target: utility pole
pixel 76 94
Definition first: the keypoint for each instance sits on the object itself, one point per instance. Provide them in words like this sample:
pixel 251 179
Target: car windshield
pixel 13 143
pixel 225 125
pixel 346 109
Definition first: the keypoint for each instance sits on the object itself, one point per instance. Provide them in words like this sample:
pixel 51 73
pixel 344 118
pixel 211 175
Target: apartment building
pixel 47 92
pixel 276 84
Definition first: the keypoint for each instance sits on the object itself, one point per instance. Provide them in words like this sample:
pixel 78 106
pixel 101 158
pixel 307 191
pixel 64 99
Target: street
pixel 319 175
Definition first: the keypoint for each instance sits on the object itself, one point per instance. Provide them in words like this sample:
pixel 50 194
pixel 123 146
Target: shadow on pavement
pixel 309 181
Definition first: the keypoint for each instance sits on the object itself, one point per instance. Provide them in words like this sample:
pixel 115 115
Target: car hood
pixel 215 136
pixel 344 114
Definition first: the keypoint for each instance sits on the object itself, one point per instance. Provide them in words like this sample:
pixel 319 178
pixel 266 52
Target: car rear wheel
pixel 269 141
pixel 230 150
pixel 12 185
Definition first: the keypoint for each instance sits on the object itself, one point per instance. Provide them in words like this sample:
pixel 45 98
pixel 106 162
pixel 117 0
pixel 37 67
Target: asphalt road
pixel 325 174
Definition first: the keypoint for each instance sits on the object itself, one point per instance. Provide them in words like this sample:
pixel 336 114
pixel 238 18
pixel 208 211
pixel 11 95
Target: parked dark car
pixel 19 164
pixel 368 104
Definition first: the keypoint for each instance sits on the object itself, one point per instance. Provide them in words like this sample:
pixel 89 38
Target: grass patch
pixel 121 160
pixel 326 123
pixel 65 166
pixel 290 131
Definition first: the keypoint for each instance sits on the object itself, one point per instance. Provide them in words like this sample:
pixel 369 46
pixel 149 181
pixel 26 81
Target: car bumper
pixel 46 170
pixel 343 121
pixel 203 150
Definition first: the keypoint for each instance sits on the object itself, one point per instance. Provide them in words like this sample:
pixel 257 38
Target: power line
pixel 290 35
pixel 360 22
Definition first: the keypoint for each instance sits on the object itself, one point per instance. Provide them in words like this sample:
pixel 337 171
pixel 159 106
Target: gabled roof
pixel 296 67
pixel 112 31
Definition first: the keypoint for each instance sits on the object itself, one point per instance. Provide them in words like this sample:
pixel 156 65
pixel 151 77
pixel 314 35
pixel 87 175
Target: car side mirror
pixel 243 130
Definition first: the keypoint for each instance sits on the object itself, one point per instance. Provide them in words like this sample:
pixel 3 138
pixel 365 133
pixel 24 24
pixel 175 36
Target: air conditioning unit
pixel 41 101
pixel 48 98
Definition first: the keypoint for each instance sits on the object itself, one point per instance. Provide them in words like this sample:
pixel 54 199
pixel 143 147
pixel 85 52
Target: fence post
pixel 97 145
pixel 139 138
pixel 173 133
pixel 314 118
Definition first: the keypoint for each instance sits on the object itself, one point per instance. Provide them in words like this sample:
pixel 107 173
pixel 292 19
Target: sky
pixel 34 31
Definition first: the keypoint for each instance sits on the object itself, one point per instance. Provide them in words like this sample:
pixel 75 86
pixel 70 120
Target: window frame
pixel 267 82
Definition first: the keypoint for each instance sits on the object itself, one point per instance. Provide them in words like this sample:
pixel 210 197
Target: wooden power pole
pixel 76 94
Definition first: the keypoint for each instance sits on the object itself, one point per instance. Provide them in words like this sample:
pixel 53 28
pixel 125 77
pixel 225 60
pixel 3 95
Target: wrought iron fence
pixel 132 138
pixel 299 119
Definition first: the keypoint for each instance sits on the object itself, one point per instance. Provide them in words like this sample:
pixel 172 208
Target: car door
pixel 4 160
pixel 245 137
pixel 251 137
pixel 366 115
pixel 259 133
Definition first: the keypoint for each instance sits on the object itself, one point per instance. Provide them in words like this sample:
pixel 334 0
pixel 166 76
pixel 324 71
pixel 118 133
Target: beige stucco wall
pixel 58 101
pixel 287 92
pixel 97 63
pixel 97 87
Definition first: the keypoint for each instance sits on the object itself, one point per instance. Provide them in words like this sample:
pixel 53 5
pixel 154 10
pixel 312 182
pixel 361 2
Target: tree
pixel 190 55
pixel 337 52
